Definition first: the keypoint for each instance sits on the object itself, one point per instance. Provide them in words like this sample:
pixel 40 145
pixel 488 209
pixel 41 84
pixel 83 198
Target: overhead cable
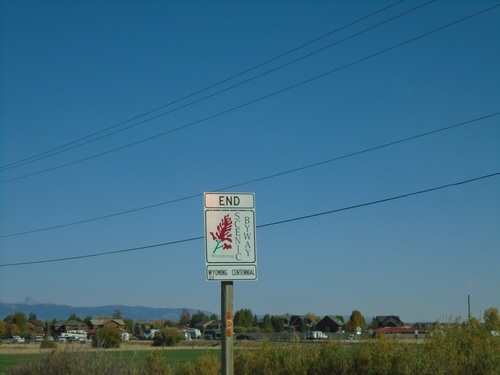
pixel 297 169
pixel 261 98
pixel 305 217
pixel 89 138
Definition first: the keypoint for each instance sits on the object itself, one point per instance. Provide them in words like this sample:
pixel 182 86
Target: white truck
pixel 193 333
pixel 74 335
pixel 316 335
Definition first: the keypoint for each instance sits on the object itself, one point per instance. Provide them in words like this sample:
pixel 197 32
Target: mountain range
pixel 50 311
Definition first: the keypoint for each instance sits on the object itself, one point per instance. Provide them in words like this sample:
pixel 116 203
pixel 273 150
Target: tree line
pixel 244 321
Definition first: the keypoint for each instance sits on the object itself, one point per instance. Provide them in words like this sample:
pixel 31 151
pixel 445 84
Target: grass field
pixel 456 349
pixel 128 354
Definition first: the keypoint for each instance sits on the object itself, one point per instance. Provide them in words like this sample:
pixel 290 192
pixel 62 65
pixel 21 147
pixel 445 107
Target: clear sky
pixel 116 116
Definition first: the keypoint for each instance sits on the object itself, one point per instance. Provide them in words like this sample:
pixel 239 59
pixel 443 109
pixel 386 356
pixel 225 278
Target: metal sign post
pixel 227 327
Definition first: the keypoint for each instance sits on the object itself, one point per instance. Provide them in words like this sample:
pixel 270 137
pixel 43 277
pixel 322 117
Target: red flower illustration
pixel 223 233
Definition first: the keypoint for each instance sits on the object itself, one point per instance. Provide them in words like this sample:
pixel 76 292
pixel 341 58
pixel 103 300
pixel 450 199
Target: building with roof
pixel 330 323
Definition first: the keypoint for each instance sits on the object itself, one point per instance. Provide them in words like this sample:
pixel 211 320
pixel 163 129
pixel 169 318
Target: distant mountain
pixel 49 311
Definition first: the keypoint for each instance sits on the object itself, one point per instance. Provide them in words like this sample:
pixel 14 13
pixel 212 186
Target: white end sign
pixel 230 252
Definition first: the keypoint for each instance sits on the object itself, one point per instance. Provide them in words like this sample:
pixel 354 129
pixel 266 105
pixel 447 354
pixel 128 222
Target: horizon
pixel 368 317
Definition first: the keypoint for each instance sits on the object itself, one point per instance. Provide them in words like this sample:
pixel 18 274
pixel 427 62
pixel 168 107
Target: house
pixel 35 327
pixel 281 322
pixel 63 326
pixel 330 323
pixel 95 324
pixel 208 325
pixel 301 323
pixel 388 321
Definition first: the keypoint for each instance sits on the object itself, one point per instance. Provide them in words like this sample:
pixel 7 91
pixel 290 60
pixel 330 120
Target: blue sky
pixel 165 100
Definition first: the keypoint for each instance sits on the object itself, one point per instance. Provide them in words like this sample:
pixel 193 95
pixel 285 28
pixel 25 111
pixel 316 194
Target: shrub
pixel 168 337
pixel 107 337
pixel 156 364
pixel 81 362
pixel 48 344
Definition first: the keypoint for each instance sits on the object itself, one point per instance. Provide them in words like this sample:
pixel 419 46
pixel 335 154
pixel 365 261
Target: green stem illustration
pixel 217 245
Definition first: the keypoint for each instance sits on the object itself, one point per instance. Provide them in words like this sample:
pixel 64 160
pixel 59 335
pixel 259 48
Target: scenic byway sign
pixel 230 236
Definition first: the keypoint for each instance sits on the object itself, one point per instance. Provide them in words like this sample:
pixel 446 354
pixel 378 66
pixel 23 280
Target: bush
pixel 168 337
pixel 48 344
pixel 81 362
pixel 107 337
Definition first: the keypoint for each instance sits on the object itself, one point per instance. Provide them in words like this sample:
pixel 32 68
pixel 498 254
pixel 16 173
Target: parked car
pixel 244 337
pixel 208 336
pixel 17 339
pixel 61 339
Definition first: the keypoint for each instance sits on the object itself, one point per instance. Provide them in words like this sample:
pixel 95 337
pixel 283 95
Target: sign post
pixel 230 254
pixel 227 331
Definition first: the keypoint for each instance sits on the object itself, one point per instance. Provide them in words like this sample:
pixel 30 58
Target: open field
pixel 136 350
pixel 458 349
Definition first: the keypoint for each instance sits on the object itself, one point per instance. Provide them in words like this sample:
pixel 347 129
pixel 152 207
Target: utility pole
pixel 468 303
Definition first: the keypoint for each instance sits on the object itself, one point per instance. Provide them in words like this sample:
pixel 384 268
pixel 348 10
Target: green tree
pixel 267 324
pixel 167 337
pixel 129 325
pixel 198 317
pixel 138 330
pixel 74 317
pixel 373 324
pixel 117 314
pixel 87 320
pixel 278 324
pixel 356 320
pixel 16 324
pixel 157 324
pixel 213 317
pixel 185 317
pixel 243 318
pixel 491 319
pixel 32 316
pixel 107 337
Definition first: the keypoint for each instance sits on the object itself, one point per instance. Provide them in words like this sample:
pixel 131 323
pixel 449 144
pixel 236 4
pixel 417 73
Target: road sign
pixel 230 252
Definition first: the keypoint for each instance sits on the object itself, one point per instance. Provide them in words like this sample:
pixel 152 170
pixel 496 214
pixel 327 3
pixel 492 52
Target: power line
pixel 255 100
pixel 305 217
pixel 76 143
pixel 279 174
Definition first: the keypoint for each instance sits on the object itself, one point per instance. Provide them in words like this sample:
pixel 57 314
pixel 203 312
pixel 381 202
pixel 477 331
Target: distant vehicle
pixel 61 339
pixel 38 338
pixel 244 337
pixel 316 335
pixel 78 334
pixel 193 333
pixel 215 333
pixel 17 339
pixel 208 336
